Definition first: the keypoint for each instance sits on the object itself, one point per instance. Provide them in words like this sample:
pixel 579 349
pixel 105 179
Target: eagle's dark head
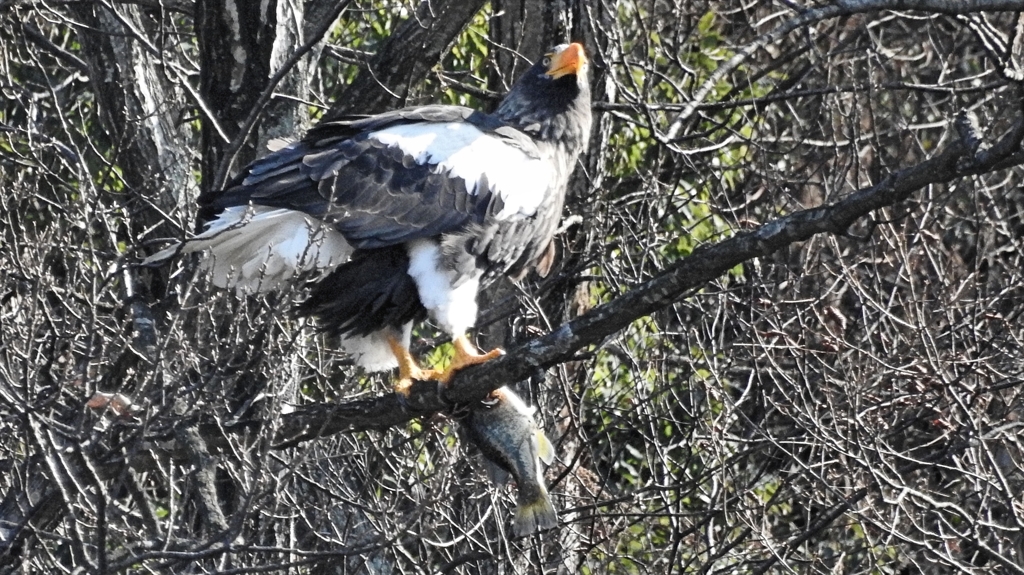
pixel 552 100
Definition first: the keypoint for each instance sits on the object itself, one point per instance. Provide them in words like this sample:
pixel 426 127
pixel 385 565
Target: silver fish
pixel 504 430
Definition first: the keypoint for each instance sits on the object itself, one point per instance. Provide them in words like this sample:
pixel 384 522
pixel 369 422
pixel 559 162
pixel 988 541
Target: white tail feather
pixel 256 249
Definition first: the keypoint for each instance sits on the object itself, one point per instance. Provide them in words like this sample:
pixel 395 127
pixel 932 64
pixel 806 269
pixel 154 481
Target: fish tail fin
pixel 534 516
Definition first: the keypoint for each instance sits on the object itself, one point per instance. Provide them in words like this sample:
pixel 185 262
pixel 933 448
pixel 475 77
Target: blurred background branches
pixel 846 402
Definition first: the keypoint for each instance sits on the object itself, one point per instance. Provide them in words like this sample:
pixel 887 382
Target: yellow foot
pixel 466 355
pixel 408 370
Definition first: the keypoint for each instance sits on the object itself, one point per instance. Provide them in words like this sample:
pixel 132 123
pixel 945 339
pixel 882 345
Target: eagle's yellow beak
pixel 569 60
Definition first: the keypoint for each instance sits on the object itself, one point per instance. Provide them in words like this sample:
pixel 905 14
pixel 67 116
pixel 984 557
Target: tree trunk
pixel 406 58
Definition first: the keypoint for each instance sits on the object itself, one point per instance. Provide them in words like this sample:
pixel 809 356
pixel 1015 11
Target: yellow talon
pixel 408 370
pixel 466 354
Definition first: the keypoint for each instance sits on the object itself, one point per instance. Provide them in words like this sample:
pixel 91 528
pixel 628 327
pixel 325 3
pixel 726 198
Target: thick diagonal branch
pixel 703 265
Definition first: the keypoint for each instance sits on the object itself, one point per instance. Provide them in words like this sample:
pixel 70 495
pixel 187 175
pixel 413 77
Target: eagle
pixel 396 217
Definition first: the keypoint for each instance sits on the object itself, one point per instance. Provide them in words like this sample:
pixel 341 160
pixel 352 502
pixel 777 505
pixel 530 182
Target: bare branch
pixel 704 265
pixel 834 10
pixel 406 58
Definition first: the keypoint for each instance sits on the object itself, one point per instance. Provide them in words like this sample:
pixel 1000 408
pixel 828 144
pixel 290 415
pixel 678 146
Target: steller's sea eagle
pixel 404 214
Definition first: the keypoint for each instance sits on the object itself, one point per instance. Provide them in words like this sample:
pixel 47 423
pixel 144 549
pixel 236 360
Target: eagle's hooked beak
pixel 569 60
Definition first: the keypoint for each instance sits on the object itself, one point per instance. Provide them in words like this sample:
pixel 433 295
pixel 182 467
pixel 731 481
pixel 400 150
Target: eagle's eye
pixel 546 61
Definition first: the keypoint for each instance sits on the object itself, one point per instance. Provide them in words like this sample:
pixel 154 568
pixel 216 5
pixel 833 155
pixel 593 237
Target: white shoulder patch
pixel 463 151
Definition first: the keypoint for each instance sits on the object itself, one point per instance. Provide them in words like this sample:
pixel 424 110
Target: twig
pixel 705 264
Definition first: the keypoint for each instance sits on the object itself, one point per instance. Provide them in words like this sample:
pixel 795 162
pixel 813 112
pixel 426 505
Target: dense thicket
pixel 792 263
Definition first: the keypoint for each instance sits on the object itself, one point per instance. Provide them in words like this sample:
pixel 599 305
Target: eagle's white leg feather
pixel 372 352
pixel 454 309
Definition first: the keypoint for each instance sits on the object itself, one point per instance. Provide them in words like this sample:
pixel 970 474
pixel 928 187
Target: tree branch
pixel 231 152
pixel 834 10
pixel 406 58
pixel 703 265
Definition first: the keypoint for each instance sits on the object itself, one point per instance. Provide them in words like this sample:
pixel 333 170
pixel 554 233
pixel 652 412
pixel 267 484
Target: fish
pixel 502 427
